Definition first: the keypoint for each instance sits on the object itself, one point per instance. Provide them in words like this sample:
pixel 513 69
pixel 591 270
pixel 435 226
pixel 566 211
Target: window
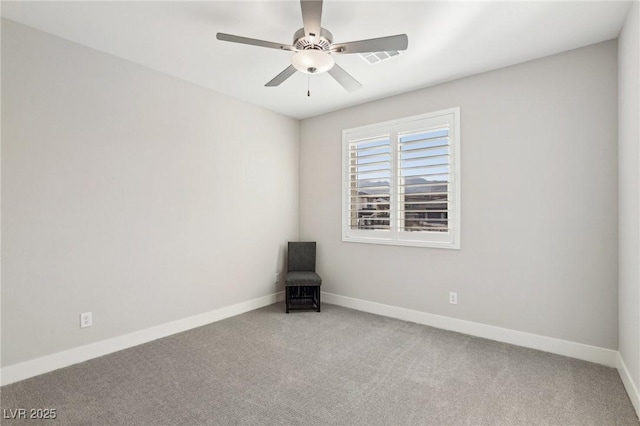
pixel 402 181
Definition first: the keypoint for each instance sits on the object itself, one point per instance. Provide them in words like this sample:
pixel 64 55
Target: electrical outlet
pixel 277 277
pixel 86 320
pixel 453 298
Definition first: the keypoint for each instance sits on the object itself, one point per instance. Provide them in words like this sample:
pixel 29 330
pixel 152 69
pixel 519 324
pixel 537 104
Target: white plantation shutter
pixel 423 181
pixel 402 181
pixel 370 163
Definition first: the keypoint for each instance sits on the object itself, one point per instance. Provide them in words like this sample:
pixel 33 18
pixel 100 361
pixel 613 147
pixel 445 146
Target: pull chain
pixel 308 85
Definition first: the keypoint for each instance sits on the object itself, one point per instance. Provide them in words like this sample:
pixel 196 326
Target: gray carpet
pixel 337 367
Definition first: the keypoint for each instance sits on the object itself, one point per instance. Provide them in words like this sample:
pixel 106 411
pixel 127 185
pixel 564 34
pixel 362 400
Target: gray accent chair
pixel 302 290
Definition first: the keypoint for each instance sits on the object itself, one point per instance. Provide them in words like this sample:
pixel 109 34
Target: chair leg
pixel 287 295
pixel 318 290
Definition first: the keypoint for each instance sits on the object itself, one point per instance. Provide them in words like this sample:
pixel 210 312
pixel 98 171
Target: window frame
pixel 394 129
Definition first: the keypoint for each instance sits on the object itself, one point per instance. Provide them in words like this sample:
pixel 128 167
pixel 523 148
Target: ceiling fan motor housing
pixel 321 42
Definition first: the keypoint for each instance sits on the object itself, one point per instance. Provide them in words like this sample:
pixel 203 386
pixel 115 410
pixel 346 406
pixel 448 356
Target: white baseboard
pixel 45 364
pixel 581 351
pixel 629 385
pixel 611 358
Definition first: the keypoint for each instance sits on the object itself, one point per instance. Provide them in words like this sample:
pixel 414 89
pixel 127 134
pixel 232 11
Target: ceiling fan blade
pixel 311 17
pixel 344 78
pixel 278 79
pixel 382 44
pixel 254 42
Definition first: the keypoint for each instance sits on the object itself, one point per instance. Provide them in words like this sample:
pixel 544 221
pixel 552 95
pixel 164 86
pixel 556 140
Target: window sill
pixel 406 243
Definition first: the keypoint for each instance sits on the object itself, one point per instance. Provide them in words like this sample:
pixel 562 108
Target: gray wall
pixel 130 194
pixel 629 193
pixel 539 202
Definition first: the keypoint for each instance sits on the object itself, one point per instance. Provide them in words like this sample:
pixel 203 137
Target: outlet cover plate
pixel 86 319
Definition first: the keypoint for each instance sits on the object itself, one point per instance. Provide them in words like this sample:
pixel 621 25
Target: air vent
pixel 375 57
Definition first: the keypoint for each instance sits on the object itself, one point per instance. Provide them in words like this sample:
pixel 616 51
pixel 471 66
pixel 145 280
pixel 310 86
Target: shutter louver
pixel 370 184
pixel 423 181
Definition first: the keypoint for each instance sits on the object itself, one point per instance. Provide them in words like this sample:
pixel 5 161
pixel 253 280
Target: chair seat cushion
pixel 307 278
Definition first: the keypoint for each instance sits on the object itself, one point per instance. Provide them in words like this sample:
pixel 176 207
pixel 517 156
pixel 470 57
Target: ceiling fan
pixel 314 48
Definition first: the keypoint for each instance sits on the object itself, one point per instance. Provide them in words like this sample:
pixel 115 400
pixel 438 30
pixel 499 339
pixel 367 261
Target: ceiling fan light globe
pixel 312 61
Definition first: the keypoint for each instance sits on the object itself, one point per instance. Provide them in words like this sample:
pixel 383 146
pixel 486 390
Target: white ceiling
pixel 447 40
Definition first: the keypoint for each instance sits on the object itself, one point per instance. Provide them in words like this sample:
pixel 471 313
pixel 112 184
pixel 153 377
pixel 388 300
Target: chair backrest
pixel 301 256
